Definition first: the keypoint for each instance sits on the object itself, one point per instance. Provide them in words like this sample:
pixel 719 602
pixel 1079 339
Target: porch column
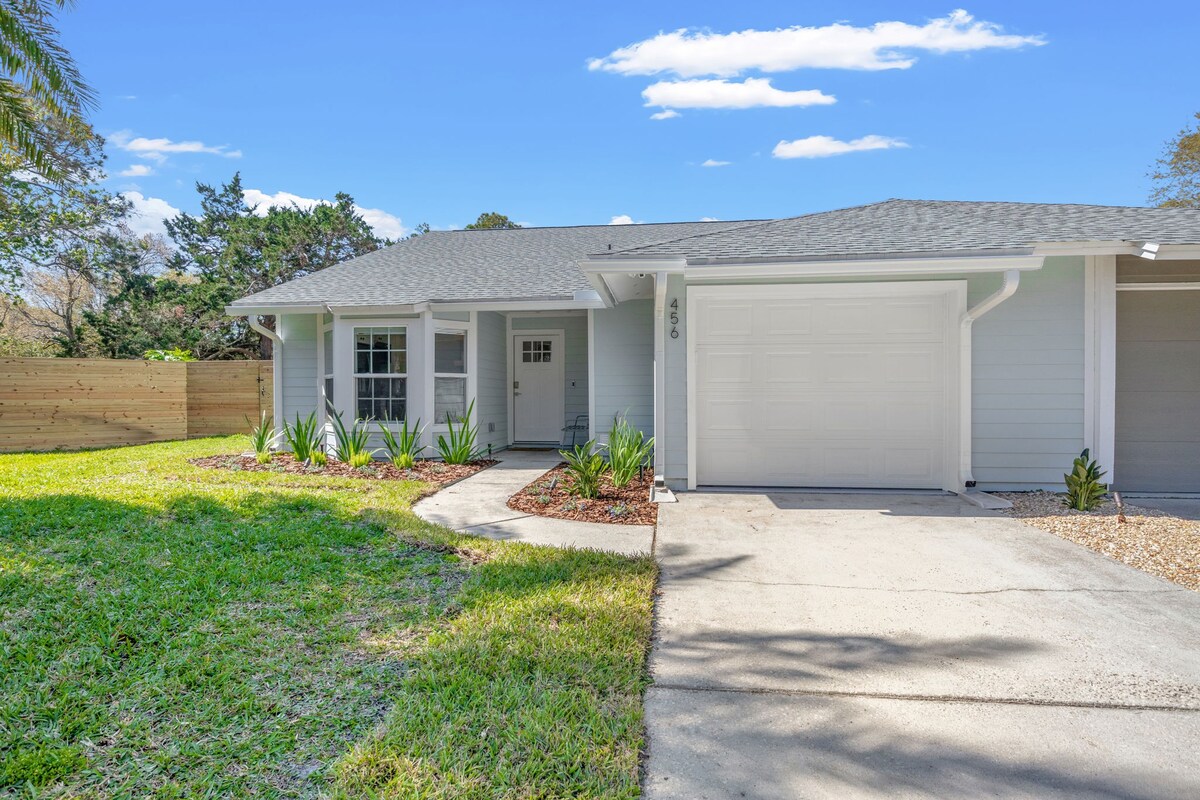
pixel 660 379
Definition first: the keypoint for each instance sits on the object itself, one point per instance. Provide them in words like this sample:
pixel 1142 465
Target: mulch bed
pixel 548 497
pixel 1150 540
pixel 423 470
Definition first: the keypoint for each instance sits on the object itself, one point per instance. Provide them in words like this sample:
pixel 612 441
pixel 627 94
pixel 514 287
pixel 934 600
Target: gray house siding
pixel 1027 379
pixel 623 351
pixel 491 383
pixel 575 369
pixel 299 384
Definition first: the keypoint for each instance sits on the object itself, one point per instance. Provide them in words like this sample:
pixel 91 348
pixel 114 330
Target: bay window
pixel 380 372
pixel 449 375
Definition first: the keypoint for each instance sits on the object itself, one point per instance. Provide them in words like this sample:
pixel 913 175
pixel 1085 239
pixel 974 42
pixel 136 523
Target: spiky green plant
pixel 350 444
pixel 458 445
pixel 262 436
pixel 303 437
pixel 628 451
pixel 1084 487
pixel 585 466
pixel 402 449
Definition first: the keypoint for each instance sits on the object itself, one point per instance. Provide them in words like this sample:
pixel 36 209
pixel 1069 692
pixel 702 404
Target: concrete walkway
pixel 879 646
pixel 477 506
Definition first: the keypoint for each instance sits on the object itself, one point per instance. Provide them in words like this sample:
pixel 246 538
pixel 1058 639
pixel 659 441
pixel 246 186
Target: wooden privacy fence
pixel 68 404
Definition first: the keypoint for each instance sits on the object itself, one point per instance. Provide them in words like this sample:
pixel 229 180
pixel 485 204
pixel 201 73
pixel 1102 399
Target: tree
pixel 38 81
pixel 492 220
pixel 1177 171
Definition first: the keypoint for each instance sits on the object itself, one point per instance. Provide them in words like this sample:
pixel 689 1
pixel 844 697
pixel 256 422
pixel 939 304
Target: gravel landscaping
pixel 1150 540
pixel 549 496
pixel 429 471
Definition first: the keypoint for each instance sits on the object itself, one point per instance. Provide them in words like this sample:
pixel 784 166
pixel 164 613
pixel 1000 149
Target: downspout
pixel 276 371
pixel 1012 279
pixel 660 493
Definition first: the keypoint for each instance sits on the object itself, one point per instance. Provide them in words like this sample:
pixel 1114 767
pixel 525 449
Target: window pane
pixel 362 339
pixel 329 390
pixel 399 361
pixel 379 362
pixel 398 341
pixel 364 387
pixel 362 361
pixel 328 343
pixel 449 398
pixel 450 352
pixel 364 408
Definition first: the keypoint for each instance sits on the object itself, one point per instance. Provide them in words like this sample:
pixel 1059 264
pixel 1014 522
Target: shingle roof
pixel 479 265
pixel 930 226
pixel 542 263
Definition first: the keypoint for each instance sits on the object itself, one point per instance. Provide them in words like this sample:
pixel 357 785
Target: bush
pixel 175 354
pixel 1084 489
pixel 628 451
pixel 460 447
pixel 262 436
pixel 585 466
pixel 304 438
pixel 350 444
pixel 403 449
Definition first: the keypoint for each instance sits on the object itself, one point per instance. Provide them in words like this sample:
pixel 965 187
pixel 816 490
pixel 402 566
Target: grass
pixel 169 631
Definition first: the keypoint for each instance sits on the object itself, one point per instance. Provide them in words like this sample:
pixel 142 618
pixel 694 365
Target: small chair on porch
pixel 580 424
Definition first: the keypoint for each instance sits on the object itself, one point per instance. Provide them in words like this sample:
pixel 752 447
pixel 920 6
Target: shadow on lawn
pixel 165 611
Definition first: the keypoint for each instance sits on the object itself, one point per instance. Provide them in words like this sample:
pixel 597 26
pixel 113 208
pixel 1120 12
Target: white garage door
pixel 847 385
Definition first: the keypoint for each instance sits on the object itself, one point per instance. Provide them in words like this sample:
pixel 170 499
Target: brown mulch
pixel 423 470
pixel 1150 540
pixel 548 497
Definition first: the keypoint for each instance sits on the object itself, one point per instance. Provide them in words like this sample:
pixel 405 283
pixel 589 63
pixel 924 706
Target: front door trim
pixel 514 338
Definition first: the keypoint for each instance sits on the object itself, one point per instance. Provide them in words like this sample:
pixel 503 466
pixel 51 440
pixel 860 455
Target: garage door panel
pixel 821 391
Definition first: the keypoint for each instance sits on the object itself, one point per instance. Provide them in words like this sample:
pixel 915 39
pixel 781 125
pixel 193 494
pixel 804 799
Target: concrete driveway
pixel 867 645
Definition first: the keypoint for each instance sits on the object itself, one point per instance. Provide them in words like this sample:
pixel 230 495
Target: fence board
pixel 68 404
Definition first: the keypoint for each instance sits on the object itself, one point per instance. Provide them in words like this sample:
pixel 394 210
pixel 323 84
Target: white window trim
pixel 354 326
pixel 323 376
pixel 468 329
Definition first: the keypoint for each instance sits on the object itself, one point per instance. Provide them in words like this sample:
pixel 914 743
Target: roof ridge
pixel 601 225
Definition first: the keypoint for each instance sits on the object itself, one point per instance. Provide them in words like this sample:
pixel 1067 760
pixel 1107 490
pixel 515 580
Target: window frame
pixel 464 329
pixel 392 327
pixel 325 379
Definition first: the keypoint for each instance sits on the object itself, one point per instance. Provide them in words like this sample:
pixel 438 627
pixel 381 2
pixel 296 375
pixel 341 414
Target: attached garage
pixel 1158 388
pixel 825 385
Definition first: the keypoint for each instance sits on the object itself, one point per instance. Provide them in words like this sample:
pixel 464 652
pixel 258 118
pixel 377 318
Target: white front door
pixel 826 385
pixel 538 393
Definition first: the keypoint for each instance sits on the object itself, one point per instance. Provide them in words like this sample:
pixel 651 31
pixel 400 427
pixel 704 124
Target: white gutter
pixel 1012 279
pixel 276 372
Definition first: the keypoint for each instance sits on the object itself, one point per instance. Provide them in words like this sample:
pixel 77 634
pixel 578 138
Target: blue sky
pixel 435 112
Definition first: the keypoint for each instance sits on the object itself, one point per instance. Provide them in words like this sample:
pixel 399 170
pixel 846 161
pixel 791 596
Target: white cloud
pixel 149 213
pixel 825 146
pixel 137 171
pixel 623 219
pixel 749 93
pixel 384 224
pixel 710 219
pixel 712 162
pixel 668 114
pixel 884 45
pixel 156 149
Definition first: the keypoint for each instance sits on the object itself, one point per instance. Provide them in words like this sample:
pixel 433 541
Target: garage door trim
pixel 956 396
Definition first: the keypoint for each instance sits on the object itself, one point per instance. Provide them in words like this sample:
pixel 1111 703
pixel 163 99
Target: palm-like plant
pixel 38 79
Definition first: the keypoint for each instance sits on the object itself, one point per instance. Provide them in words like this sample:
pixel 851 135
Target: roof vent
pixel 610 247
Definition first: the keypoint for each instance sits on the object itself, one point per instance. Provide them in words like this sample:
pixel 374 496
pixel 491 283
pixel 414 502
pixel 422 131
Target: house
pixel 902 344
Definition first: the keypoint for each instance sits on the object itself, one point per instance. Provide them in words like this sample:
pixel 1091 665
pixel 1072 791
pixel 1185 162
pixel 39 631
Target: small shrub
pixel 318 458
pixel 618 510
pixel 403 449
pixel 544 499
pixel 262 436
pixel 570 505
pixel 350 444
pixel 585 466
pixel 1084 489
pixel 303 438
pixel 628 451
pixel 459 447
pixel 174 354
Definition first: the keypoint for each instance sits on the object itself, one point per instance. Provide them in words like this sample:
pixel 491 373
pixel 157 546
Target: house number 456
pixel 675 318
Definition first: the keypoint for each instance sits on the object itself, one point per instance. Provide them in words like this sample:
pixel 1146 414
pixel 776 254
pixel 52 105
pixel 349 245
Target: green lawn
pixel 169 631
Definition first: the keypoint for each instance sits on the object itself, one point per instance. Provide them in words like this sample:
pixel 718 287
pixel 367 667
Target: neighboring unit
pixel 903 344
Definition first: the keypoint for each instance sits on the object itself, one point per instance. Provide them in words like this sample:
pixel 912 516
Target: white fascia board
pixel 522 305
pixel 380 310
pixel 647 264
pixel 1092 248
pixel 863 268
pixel 1168 252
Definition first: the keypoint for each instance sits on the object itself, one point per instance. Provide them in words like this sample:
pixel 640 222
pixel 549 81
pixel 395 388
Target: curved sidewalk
pixel 478 506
